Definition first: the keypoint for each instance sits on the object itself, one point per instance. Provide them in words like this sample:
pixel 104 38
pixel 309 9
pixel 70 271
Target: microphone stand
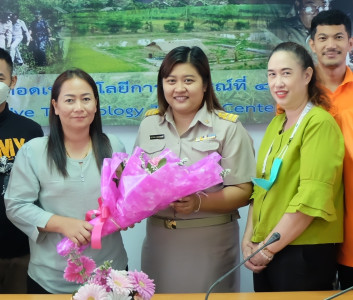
pixel 340 293
pixel 274 237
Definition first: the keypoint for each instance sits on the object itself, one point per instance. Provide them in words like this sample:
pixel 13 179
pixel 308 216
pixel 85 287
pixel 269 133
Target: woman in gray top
pixel 56 179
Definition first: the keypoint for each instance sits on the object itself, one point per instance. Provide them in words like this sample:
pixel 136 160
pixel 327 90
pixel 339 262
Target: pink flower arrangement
pixel 136 187
pixel 105 283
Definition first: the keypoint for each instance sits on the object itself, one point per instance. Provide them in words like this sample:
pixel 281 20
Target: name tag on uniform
pixel 157 137
pixel 206 137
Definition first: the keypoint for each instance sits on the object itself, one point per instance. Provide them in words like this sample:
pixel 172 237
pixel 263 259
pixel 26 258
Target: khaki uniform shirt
pixel 209 132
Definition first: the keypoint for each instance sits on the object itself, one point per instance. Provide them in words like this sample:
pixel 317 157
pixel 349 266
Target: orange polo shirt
pixel 342 111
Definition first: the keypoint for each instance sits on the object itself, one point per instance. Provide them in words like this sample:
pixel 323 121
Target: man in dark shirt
pixel 39 29
pixel 15 130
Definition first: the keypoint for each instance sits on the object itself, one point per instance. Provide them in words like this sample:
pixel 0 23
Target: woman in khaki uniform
pixel 196 240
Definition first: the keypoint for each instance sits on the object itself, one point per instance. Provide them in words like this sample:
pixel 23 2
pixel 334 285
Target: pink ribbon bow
pixel 102 214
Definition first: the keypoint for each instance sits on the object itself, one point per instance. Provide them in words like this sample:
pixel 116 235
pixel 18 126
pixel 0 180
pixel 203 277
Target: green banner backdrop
pixel 122 43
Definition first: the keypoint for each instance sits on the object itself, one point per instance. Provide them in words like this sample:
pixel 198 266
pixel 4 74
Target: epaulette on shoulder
pixel 228 116
pixel 152 112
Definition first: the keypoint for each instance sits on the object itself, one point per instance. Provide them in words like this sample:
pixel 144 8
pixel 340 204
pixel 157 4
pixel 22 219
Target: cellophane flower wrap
pixel 103 282
pixel 141 193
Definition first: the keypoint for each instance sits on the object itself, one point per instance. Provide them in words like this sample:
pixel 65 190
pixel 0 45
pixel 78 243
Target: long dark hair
pixel 316 94
pixel 56 149
pixel 196 57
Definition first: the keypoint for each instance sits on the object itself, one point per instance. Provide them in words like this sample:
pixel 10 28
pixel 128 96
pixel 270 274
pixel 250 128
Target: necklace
pixel 306 109
pixel 276 164
pixel 85 153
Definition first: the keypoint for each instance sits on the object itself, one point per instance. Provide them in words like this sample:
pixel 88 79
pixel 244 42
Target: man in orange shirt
pixel 331 41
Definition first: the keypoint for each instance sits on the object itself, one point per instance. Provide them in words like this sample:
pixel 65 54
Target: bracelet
pixel 269 258
pixel 198 209
pixel 266 249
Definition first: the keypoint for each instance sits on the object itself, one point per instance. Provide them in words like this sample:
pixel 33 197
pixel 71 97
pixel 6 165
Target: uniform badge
pixel 210 136
pixel 157 136
pixel 227 116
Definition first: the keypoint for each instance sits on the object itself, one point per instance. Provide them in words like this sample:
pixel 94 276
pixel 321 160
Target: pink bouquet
pixel 135 188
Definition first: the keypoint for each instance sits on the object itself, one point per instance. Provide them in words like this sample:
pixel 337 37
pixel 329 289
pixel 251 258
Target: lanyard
pixel 306 109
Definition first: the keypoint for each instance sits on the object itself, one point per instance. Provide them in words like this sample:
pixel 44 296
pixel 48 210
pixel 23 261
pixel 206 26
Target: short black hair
pixel 5 55
pixel 331 17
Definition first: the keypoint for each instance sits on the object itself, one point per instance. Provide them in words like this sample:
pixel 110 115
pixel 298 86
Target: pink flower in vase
pixel 105 283
pixel 142 285
pixel 100 276
pixel 91 291
pixel 119 282
pixel 79 269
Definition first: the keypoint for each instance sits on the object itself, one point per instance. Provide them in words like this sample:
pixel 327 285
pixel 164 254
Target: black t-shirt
pixel 15 130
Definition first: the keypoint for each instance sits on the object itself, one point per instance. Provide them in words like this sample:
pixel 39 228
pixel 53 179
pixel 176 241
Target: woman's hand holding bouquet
pixel 135 188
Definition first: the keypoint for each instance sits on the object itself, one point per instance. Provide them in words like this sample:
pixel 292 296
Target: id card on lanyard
pixel 277 163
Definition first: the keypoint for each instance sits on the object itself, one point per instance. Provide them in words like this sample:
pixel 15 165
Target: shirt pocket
pixel 206 147
pixel 154 148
